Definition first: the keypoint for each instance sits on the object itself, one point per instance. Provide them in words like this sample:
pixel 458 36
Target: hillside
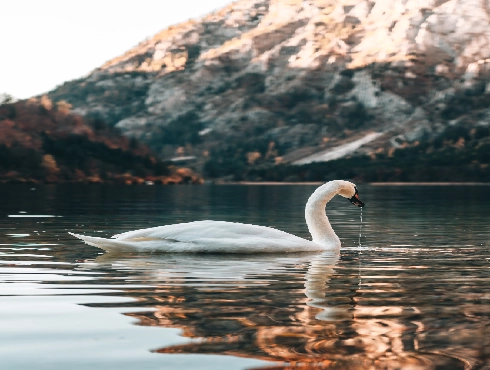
pixel 265 83
pixel 42 142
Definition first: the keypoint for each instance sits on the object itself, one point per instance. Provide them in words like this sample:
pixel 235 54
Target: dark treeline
pixel 459 154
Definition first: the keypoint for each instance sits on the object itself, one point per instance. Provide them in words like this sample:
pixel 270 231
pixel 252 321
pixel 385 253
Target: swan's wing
pixel 189 232
pixel 219 236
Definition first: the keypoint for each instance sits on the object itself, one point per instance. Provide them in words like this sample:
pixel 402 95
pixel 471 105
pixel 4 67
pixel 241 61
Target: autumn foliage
pixel 42 142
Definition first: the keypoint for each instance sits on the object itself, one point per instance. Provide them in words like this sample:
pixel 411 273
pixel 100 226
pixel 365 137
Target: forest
pixel 460 154
pixel 43 142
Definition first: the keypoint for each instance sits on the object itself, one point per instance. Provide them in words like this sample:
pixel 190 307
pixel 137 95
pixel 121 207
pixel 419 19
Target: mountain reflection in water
pixel 309 311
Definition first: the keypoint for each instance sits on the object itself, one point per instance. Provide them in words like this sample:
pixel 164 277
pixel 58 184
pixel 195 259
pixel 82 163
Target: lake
pixel 414 294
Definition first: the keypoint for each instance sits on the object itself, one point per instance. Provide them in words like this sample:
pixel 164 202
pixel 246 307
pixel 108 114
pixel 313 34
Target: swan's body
pixel 230 237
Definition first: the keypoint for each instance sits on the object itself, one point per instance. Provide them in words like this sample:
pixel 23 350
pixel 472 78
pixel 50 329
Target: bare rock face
pixel 299 77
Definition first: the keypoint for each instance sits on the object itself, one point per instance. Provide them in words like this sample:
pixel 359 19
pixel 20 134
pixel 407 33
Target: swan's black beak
pixel 356 201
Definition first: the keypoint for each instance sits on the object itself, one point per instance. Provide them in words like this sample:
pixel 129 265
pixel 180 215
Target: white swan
pixel 230 237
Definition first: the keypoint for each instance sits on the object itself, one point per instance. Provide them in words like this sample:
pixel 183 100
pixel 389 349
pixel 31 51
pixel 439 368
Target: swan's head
pixel 349 190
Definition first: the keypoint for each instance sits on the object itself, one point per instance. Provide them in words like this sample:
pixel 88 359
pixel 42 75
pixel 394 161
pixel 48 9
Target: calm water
pixel 415 296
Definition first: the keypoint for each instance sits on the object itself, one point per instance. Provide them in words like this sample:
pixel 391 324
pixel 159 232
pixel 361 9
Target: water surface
pixel 415 296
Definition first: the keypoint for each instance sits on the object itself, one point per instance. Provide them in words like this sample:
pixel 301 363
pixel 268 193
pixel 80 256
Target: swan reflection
pixel 294 309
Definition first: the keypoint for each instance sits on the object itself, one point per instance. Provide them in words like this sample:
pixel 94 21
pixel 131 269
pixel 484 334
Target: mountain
pixel 262 89
pixel 42 142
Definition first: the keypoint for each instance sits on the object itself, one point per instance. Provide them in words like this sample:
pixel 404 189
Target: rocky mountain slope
pixel 268 82
pixel 42 142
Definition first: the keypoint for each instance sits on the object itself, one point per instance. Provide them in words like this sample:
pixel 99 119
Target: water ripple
pixel 415 296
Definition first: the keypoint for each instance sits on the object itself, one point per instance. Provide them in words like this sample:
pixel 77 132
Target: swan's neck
pixel 316 219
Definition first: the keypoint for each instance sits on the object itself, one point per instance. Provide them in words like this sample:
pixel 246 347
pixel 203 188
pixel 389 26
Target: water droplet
pixel 360 252
pixel 360 233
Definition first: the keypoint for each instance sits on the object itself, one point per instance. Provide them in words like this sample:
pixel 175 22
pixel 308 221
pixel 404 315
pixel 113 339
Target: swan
pixel 230 237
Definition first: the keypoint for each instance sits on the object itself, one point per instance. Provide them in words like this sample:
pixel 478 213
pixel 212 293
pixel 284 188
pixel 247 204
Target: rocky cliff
pixel 267 82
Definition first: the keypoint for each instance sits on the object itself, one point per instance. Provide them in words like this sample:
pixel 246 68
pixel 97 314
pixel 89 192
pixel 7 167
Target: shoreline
pixel 250 183
pixel 421 183
pixel 430 183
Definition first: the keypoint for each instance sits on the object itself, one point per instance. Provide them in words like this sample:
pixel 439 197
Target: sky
pixel 46 42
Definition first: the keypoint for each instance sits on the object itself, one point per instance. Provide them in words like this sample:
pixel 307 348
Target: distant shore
pixel 430 183
pixel 369 183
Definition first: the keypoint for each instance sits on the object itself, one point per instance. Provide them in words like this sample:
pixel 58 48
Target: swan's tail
pixel 109 245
